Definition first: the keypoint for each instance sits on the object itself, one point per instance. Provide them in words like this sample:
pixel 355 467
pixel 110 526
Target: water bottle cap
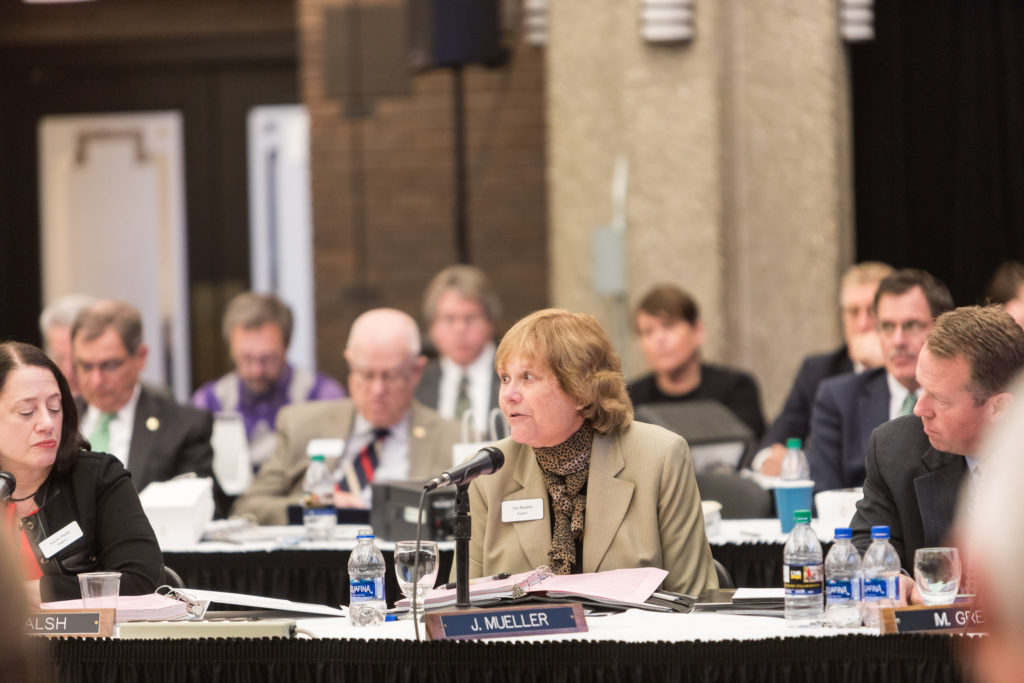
pixel 364 533
pixel 802 516
pixel 843 532
pixel 794 442
pixel 880 532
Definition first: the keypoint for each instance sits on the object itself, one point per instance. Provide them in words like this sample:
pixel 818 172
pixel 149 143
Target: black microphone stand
pixel 462 531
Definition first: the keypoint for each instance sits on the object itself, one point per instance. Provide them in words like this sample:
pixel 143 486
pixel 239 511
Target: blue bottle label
pixel 366 589
pixel 842 590
pixel 802 579
pixel 881 588
pixel 318 511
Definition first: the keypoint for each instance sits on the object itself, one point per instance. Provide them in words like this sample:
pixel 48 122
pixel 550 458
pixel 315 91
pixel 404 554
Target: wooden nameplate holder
pixel 86 623
pixel 503 622
pixel 955 618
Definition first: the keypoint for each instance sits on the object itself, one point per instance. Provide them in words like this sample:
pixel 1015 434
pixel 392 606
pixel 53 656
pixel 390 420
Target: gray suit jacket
pixel 643 510
pixel 279 481
pixel 846 411
pixel 911 487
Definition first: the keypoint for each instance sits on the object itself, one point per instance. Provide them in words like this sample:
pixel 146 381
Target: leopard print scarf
pixel 566 468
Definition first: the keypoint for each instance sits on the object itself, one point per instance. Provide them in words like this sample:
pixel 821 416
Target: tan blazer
pixel 643 510
pixel 279 481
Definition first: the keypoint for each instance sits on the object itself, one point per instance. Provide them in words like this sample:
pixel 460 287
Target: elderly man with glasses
pixel 156 438
pixel 849 407
pixel 382 432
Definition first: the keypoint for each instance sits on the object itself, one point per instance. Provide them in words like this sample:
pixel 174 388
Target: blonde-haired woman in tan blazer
pixel 594 490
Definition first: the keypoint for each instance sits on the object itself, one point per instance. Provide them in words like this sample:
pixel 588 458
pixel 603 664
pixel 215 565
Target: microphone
pixel 486 461
pixel 8 484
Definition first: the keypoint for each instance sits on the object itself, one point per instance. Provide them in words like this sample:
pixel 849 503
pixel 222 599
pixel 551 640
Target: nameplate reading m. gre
pixel 90 623
pixel 957 618
pixel 504 622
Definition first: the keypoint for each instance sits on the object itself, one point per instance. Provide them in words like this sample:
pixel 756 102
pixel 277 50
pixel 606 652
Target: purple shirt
pixel 229 394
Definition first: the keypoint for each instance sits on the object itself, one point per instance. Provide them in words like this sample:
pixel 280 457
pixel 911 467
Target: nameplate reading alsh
pixel 956 618
pixel 521 620
pixel 91 623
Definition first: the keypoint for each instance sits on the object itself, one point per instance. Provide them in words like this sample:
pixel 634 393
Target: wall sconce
pixel 535 22
pixel 667 21
pixel 857 20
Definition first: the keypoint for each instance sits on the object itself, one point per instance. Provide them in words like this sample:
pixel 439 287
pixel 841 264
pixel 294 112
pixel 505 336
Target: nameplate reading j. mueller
pixel 85 622
pixel 958 618
pixel 521 620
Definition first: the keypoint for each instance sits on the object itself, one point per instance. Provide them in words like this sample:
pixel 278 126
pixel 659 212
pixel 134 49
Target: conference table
pixel 277 562
pixel 634 646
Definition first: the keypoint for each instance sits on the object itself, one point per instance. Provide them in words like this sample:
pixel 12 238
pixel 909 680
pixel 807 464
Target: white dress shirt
pixel 897 395
pixel 480 373
pixel 392 452
pixel 121 426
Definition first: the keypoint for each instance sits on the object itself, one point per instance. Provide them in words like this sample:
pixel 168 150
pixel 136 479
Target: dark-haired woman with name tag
pixel 73 511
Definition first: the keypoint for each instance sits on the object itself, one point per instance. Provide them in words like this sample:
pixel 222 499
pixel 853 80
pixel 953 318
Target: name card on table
pixel 521 620
pixel 956 618
pixel 90 623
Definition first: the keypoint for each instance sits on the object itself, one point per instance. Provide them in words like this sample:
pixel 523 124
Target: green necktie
pixel 100 437
pixel 462 402
pixel 908 404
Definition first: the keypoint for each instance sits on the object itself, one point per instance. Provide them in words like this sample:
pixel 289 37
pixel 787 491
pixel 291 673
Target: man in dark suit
pixel 849 407
pixel 155 437
pixel 917 464
pixel 462 312
pixel 861 350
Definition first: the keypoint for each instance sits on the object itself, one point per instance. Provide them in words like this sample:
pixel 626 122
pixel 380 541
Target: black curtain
pixel 938 128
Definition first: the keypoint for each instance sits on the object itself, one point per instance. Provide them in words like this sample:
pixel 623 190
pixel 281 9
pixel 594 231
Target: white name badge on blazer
pixel 62 539
pixel 522 510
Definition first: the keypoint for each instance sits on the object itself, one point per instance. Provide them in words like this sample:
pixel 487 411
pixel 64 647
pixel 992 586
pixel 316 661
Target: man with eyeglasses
pixel 380 432
pixel 462 311
pixel 156 438
pixel 849 407
pixel 258 329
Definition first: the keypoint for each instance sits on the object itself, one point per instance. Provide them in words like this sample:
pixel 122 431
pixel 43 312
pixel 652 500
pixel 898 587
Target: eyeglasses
pixel 392 377
pixel 105 367
pixel 887 328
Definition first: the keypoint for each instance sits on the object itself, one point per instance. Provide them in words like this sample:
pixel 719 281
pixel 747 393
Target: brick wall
pixel 406 231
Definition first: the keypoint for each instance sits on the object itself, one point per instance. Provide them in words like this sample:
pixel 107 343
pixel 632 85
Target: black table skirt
pixel 321 576
pixel 887 659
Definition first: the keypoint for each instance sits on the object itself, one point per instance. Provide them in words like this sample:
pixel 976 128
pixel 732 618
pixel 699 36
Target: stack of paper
pixel 151 607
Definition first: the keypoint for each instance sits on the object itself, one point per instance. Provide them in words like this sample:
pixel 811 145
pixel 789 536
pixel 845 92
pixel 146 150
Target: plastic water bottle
pixel 881 575
pixel 318 516
pixel 842 582
pixel 366 605
pixel 794 463
pixel 802 574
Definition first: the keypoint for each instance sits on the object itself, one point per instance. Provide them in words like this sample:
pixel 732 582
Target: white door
pixel 112 207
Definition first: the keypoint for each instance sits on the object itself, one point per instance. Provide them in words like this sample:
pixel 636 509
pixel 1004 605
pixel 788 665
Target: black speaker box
pixel 445 33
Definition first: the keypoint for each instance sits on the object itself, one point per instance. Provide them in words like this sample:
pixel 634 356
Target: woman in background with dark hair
pixel 75 511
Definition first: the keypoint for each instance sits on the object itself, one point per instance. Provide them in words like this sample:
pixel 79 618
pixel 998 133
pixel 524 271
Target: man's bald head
pixel 385 365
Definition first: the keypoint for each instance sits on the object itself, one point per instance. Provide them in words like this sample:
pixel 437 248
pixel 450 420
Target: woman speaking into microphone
pixel 593 489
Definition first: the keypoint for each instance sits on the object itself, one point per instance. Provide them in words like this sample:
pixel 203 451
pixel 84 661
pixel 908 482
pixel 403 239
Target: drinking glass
pixel 937 572
pixel 405 561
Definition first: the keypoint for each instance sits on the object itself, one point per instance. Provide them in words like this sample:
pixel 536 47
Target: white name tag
pixel 62 539
pixel 522 510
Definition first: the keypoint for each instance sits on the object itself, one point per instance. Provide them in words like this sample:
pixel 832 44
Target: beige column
pixel 738 186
